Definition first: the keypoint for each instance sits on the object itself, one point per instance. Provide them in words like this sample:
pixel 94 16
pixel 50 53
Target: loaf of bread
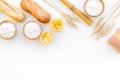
pixel 35 10
pixel 11 11
pixel 115 40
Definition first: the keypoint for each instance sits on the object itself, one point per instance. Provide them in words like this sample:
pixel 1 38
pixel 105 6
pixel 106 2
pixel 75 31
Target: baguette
pixel 35 10
pixel 11 11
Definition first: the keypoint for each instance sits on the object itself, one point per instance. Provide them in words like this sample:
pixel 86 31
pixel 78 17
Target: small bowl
pixel 11 37
pixel 103 7
pixel 23 30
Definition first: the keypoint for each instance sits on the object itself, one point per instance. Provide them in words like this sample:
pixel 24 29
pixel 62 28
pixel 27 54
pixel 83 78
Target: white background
pixel 73 55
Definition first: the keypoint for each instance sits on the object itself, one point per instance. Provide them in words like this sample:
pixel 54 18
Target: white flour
pixel 32 30
pixel 94 7
pixel 7 30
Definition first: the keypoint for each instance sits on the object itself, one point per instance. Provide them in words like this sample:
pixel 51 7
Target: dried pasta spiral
pixel 57 24
pixel 46 38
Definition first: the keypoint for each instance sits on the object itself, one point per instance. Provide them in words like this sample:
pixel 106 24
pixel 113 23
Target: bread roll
pixel 35 10
pixel 115 40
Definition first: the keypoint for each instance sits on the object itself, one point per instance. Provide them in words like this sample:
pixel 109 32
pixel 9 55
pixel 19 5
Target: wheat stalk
pixel 101 23
pixel 70 20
